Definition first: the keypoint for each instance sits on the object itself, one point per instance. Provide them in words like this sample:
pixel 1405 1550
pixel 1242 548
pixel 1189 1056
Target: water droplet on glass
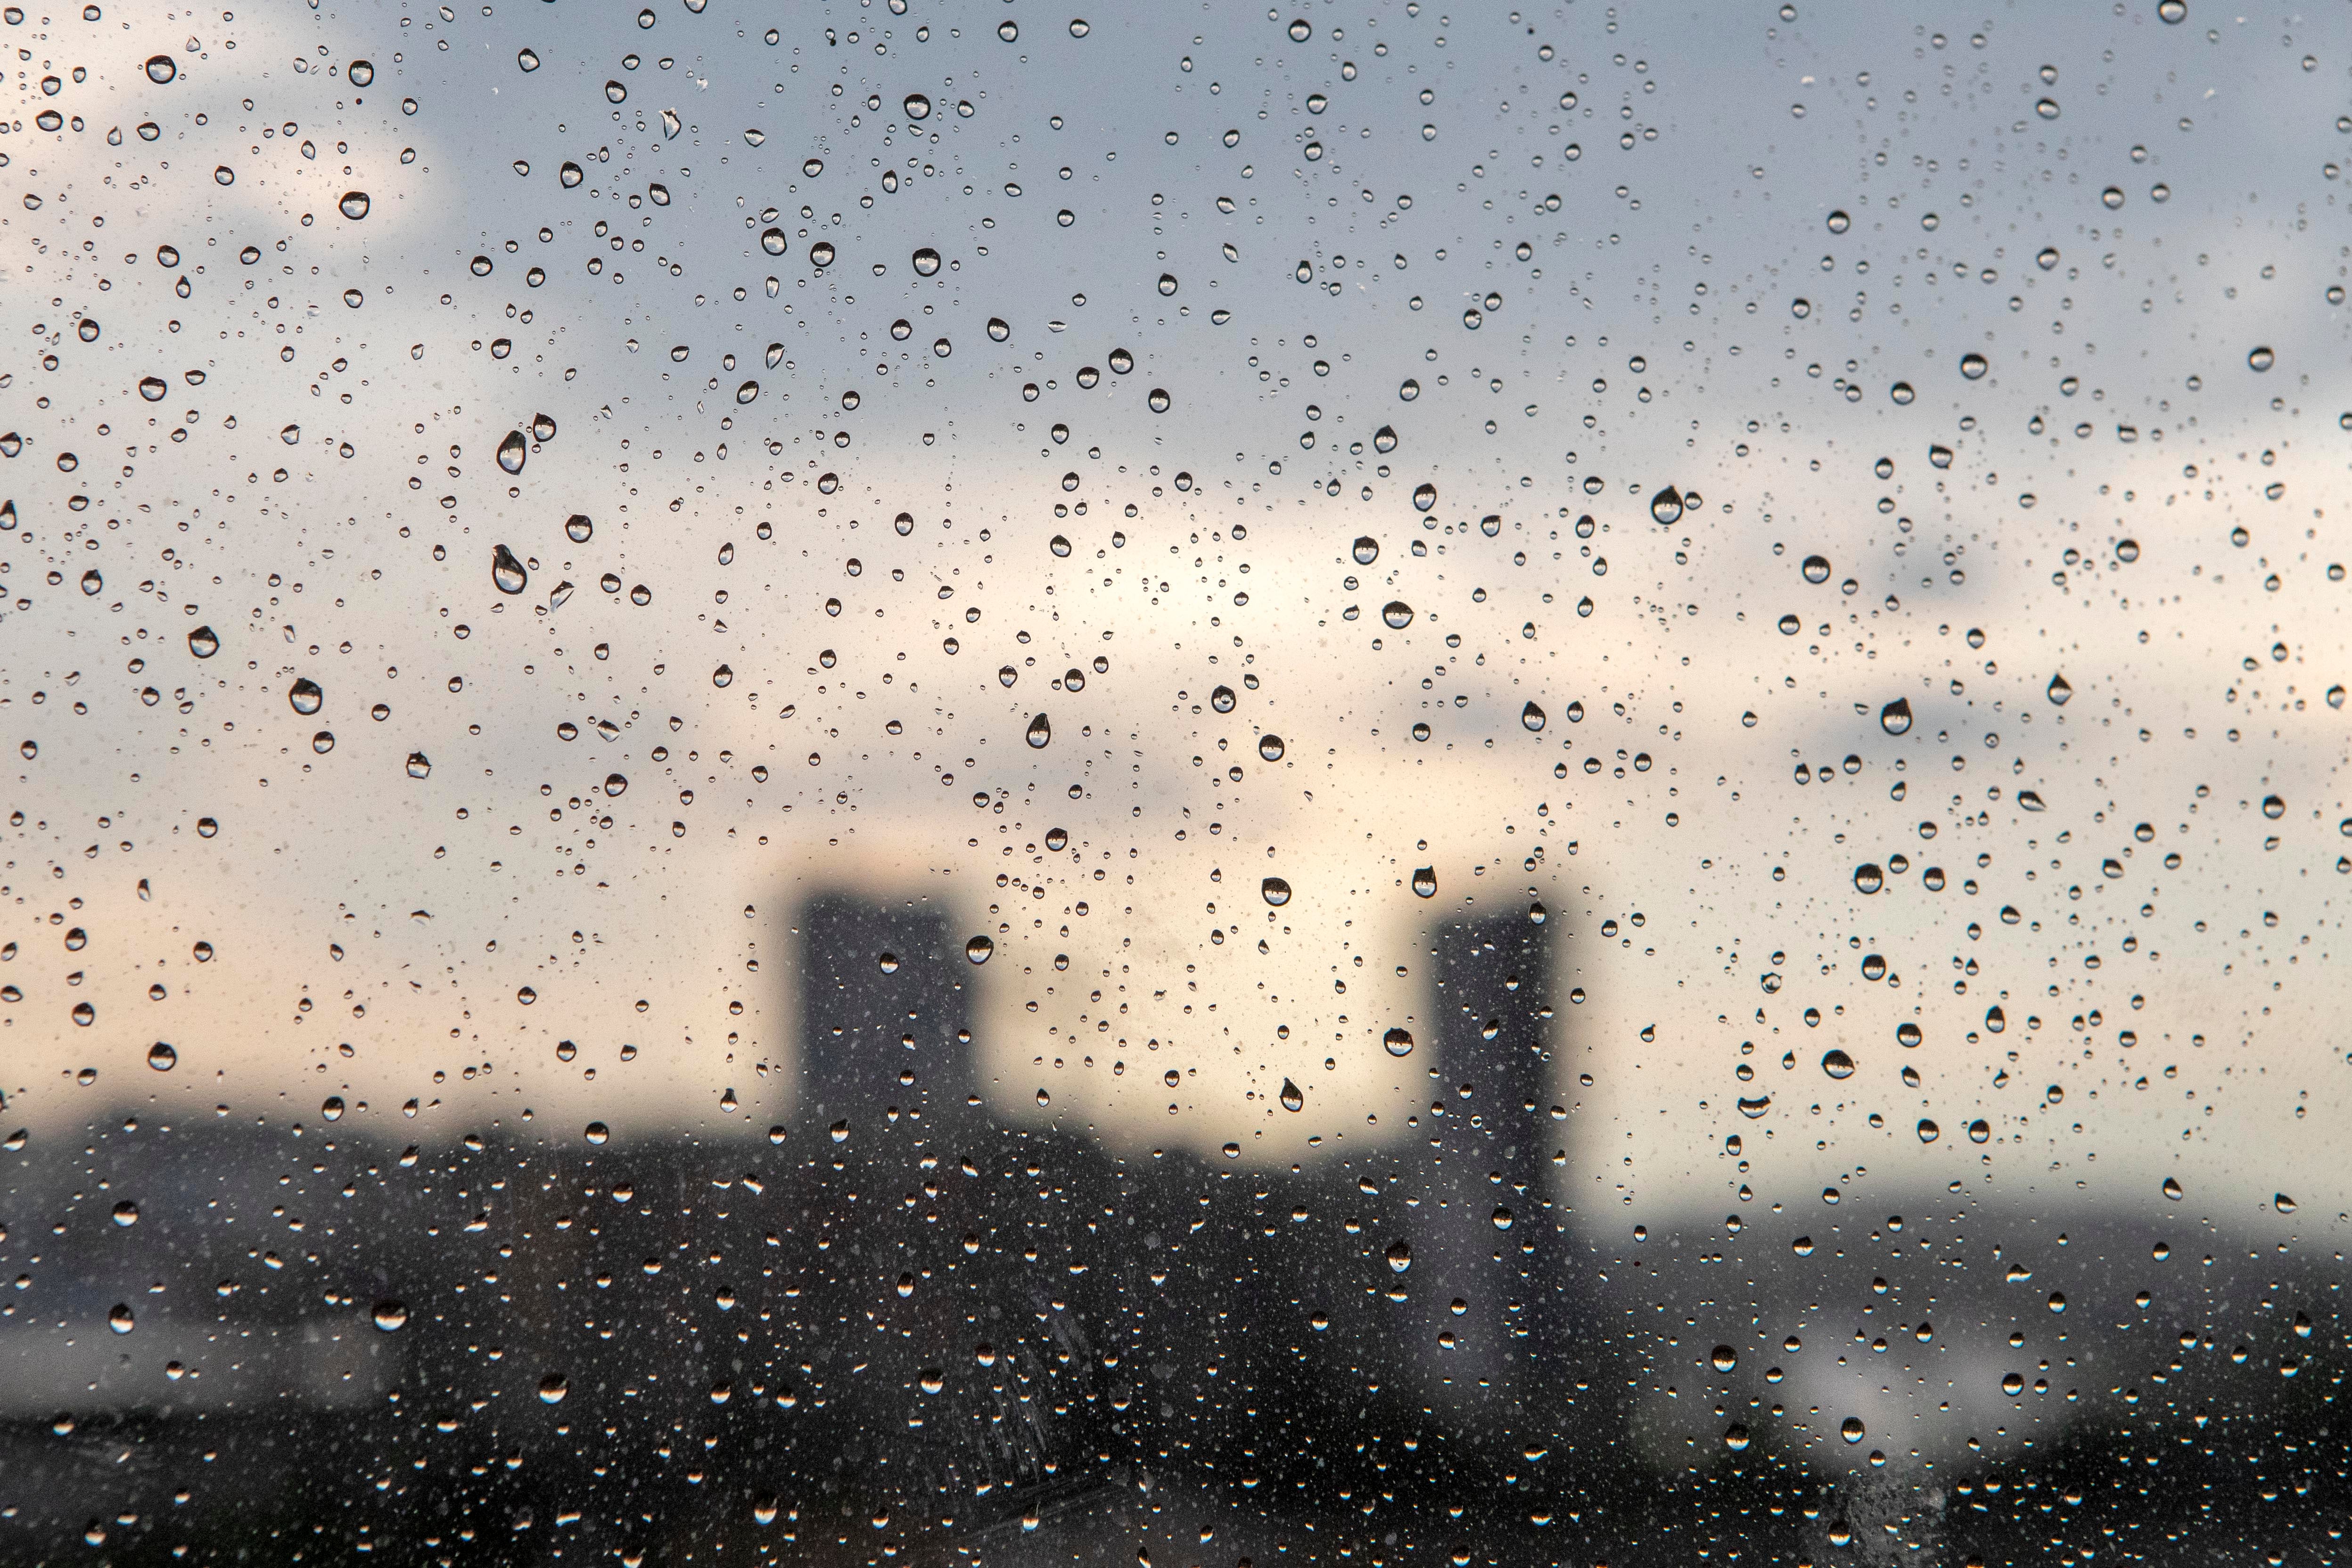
pixel 1275 891
pixel 1868 877
pixel 979 949
pixel 578 528
pixel 161 1057
pixel 553 1388
pixel 419 766
pixel 1292 1096
pixel 153 388
pixel 1399 1256
pixel 353 205
pixel 512 451
pixel 1666 506
pixel 1735 1438
pixel 2172 1189
pixel 390 1315
pixel 1397 613
pixel 747 392
pixel 202 644
pixel 917 107
pixel 1041 731
pixel 1837 1064
pixel 1901 393
pixel 2059 690
pixel 126 1213
pixel 162 69
pixel 1725 1358
pixel 1895 716
pixel 1817 569
pixel 505 572
pixel 1928 1131
pixel 119 1319
pixel 1425 497
pixel 1399 1042
pixel 1851 1429
pixel 2261 359
pixel 596 1133
pixel 306 695
pixel 821 253
pixel 1270 747
pixel 2284 1204
pixel 360 73
pixel 615 93
pixel 1531 717
pixel 926 261
pixel 1424 882
pixel 1973 366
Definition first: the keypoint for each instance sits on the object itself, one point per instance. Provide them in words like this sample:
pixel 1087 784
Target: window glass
pixel 895 783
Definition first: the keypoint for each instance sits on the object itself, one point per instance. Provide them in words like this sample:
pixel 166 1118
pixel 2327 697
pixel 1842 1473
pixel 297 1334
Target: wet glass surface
pixel 898 783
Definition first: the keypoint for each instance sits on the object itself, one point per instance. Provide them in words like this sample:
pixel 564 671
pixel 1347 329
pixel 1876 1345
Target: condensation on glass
pixel 903 783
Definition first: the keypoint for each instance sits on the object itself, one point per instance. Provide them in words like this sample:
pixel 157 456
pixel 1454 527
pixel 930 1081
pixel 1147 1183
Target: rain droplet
pixel 162 69
pixel 1397 613
pixel 553 1388
pixel 723 675
pixel 1735 1438
pixel 306 695
pixel 1725 1358
pixel 1837 1064
pixel 1666 506
pixel 2172 1189
pixel 419 766
pixel 527 59
pixel 1851 1429
pixel 2059 690
pixel 126 1213
pixel 1901 393
pixel 917 107
pixel 596 1133
pixel 1040 731
pixel 1817 569
pixel 1424 496
pixel 1366 549
pixel 1408 390
pixel 1973 366
pixel 979 949
pixel 2171 11
pixel 1275 891
pixel 505 572
pixel 512 451
pixel 999 328
pixel 390 1315
pixel 1270 747
pixel 926 262
pixel 615 93
pixel 821 253
pixel 2262 360
pixel 1895 716
pixel 1839 223
pixel 1531 717
pixel 360 73
pixel 202 644
pixel 1928 1131
pixel 1868 878
pixel 1293 1098
pixel 153 388
pixel 747 392
pixel 1399 1042
pixel 161 1057
pixel 119 1319
pixel 1399 1256
pixel 2284 1204
pixel 578 528
pixel 1424 882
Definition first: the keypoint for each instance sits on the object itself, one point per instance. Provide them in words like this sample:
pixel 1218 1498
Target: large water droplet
pixel 419 766
pixel 2262 360
pixel 1928 1131
pixel 202 644
pixel 1531 717
pixel 119 1319
pixel 979 949
pixel 1837 1063
pixel 1974 366
pixel 512 451
pixel 1424 496
pixel 162 69
pixel 1839 223
pixel 1851 1429
pixel 1424 882
pixel 1735 1438
pixel 1397 613
pixel 2059 690
pixel 553 1388
pixel 1895 716
pixel 1399 1042
pixel 917 107
pixel 1275 891
pixel 126 1214
pixel 1293 1097
pixel 306 695
pixel 1399 1255
pixel 153 388
pixel 1666 506
pixel 1725 1358
pixel 1817 569
pixel 360 73
pixel 1366 549
pixel 507 572
pixel 926 262
pixel 353 205
pixel 161 1057
pixel 390 1315
pixel 1270 747
pixel 1041 731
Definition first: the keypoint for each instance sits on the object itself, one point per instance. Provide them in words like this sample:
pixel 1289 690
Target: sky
pixel 1377 368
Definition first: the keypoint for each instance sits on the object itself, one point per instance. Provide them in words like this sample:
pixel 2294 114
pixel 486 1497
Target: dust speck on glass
pixel 922 782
